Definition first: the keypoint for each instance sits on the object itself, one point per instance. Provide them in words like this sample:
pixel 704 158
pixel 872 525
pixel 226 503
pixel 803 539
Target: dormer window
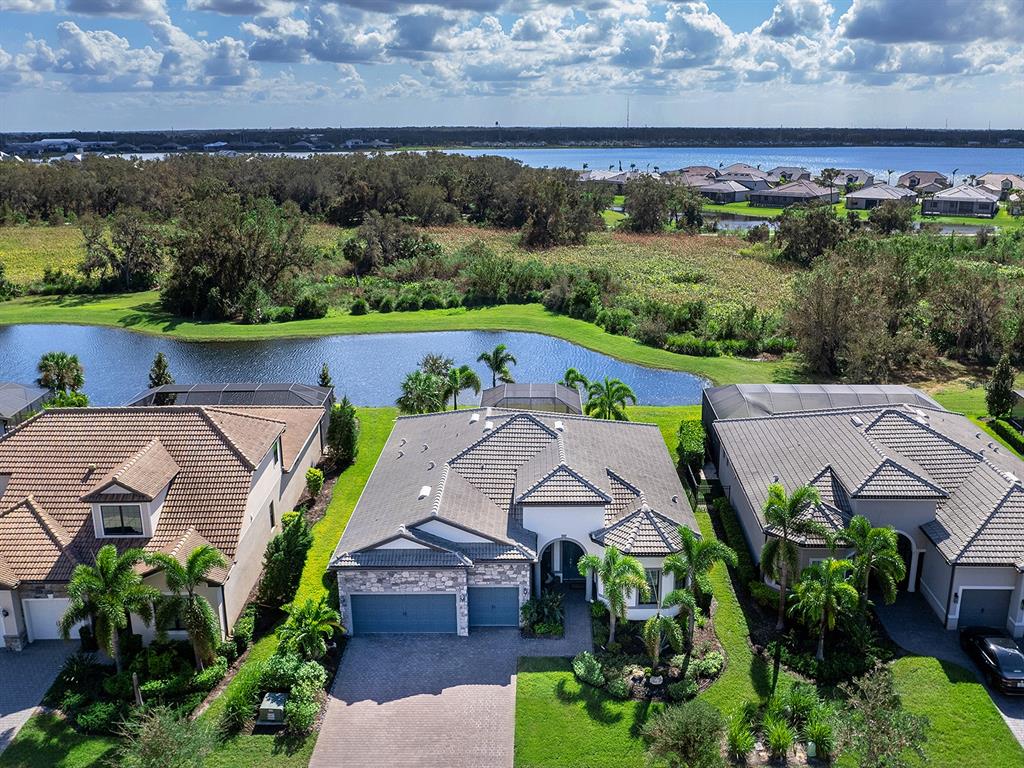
pixel 121 519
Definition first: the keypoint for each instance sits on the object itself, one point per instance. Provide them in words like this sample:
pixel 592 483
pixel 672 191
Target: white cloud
pixel 242 7
pixel 125 9
pixel 933 21
pixel 798 17
pixel 27 6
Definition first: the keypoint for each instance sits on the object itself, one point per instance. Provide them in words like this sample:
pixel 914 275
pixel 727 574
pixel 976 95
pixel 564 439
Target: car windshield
pixel 1007 654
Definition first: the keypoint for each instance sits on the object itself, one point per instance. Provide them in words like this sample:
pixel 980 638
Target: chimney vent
pixel 488 426
pixel 424 492
pixel 559 426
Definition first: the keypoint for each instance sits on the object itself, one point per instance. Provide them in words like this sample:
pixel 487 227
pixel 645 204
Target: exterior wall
pixel 954 207
pixel 353 581
pixel 148 632
pixel 554 523
pixel 293 483
pixel 12 627
pixel 749 521
pixel 1015 621
pixel 905 516
pixel 935 577
pixel 498 574
pixel 782 201
pixel 966 577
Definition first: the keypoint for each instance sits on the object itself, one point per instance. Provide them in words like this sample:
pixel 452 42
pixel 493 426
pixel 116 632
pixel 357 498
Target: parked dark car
pixel 999 657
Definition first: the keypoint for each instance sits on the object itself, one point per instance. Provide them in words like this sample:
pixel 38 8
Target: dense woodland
pixel 226 238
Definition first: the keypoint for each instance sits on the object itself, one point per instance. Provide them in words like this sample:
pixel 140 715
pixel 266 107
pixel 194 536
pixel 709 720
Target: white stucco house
pixel 468 513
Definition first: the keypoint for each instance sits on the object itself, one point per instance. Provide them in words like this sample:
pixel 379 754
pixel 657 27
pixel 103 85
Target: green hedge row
pixel 1009 433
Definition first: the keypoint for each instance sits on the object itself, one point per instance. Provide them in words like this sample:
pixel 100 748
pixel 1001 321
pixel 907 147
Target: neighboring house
pixel 273 393
pixel 876 194
pixel 783 173
pixel 689 179
pixel 467 513
pixel 706 171
pixel 751 181
pixel 555 398
pixel 18 402
pixel 961 200
pixel 953 496
pixel 794 193
pixel 165 479
pixel 923 182
pixel 743 168
pixel 1000 183
pixel 615 179
pixel 854 177
pixel 725 191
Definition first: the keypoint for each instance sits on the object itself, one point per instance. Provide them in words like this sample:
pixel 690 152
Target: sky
pixel 163 64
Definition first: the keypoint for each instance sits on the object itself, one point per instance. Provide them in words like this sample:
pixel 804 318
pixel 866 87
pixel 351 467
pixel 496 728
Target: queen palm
pixel 619 574
pixel 194 611
pixel 498 360
pixel 691 565
pixel 780 555
pixel 61 372
pixel 660 628
pixel 573 379
pixel 308 628
pixel 822 595
pixel 875 554
pixel 608 399
pixel 422 393
pixel 105 593
pixel 459 379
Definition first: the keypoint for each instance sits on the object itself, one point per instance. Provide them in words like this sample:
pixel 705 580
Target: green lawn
pixel 1003 219
pixel 26 251
pixel 46 741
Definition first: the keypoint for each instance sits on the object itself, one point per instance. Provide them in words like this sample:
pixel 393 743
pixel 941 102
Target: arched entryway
pixel 558 566
pixel 909 554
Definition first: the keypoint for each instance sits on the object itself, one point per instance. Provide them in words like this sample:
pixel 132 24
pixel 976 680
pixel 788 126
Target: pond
pixel 368 368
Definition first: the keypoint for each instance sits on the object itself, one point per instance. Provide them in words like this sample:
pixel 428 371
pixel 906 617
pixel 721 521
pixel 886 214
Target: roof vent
pixel 675 498
pixel 402 441
pixel 424 448
pixel 775 478
pixel 856 421
pixel 489 411
pixel 424 492
pixel 474 418
pixel 921 413
pixel 488 426
pixel 430 466
pixel 401 454
pixel 991 446
pixel 559 426
pixel 977 435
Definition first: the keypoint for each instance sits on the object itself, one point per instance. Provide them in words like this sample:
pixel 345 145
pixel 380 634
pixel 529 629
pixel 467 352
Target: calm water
pixel 368 368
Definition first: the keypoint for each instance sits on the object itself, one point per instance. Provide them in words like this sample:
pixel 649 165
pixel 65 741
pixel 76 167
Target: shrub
pixel 228 650
pixel 683 690
pixel 160 737
pixel 598 610
pixel 244 628
pixel 343 434
pixel 546 609
pixel 691 442
pixel 314 481
pixel 119 686
pixel 801 700
pixel 165 688
pixel 764 594
pixel 311 306
pixel 359 306
pixel 254 305
pixel 820 730
pixel 242 697
pixel 708 667
pixel 688 344
pixel 279 672
pixel 310 677
pixel 759 233
pixel 80 672
pixel 206 681
pixel 284 559
pixel 72 702
pixel 687 735
pixel 300 714
pixel 745 568
pixel 619 688
pixel 587 668
pixel 387 304
pixel 431 301
pixel 740 739
pixel 778 736
pixel 99 717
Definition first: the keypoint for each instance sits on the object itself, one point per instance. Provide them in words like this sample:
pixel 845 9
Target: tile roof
pixel 563 485
pixel 146 474
pixel 643 532
pixel 890 480
pixel 882 191
pixel 967 192
pixel 180 549
pixel 33 546
pixel 300 422
pixel 799 188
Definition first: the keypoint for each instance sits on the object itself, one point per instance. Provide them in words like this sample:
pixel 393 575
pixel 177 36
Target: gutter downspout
pixel 224 611
pixel 949 597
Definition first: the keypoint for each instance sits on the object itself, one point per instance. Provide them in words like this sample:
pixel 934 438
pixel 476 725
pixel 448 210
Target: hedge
pixel 1007 432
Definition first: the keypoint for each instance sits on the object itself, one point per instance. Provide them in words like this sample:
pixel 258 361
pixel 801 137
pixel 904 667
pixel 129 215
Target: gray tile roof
pixel 882 191
pixel 739 400
pixel 643 532
pixel 563 485
pixel 890 480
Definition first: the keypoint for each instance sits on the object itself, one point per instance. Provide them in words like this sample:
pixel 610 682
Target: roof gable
pixel 145 474
pixel 564 485
pixel 891 480
pixel 33 546
pixel 642 532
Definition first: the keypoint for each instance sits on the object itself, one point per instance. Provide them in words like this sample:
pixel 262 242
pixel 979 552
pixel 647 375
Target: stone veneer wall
pixel 437 581
pixel 505 575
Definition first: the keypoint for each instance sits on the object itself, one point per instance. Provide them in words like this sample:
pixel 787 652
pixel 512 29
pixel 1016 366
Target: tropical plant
pixel 739 738
pixel 828 177
pixel 778 736
pixel 68 400
pixel 61 372
pixel 497 361
pixel 686 736
pixel 343 433
pixel 999 395
pixel 160 373
pixel 875 554
pixel 284 560
pixel 308 628
pixel 618 574
pixel 325 377
pixel 104 593
pixel 659 628
pixel 822 595
pixel 184 604
pixel 159 738
pixel 314 481
pixel 459 379
pixel 780 554
pixel 692 564
pixel 436 364
pixel 877 731
pixel 573 379
pixel 608 399
pixel 422 393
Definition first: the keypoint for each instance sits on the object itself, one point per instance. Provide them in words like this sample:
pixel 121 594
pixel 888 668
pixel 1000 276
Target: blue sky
pixel 155 64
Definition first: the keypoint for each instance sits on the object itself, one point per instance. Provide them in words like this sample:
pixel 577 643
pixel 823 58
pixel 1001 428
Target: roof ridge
pixel 57 532
pixel 517 416
pixel 228 410
pixel 926 426
pixel 436 504
pixel 1014 487
pixel 227 439
pixel 558 468
pixel 889 461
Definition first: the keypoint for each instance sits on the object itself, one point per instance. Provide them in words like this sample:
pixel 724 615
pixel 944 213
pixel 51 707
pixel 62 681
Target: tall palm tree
pixel 691 565
pixel 308 628
pixel 497 360
pixel 573 379
pixel 607 399
pixel 619 574
pixel 105 593
pixel 194 610
pixel 61 372
pixel 422 393
pixel 459 379
pixel 888 174
pixel 780 554
pixel 822 595
pixel 875 553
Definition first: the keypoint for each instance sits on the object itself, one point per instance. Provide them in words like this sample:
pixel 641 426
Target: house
pixel 923 182
pixel 743 168
pixel 18 402
pixel 725 191
pixel 794 193
pixel 749 180
pixel 698 170
pixel 614 179
pixel 854 177
pixel 469 512
pixel 876 194
pixel 556 398
pixel 1000 183
pixel 166 479
pixel 953 496
pixel 783 173
pixel 961 200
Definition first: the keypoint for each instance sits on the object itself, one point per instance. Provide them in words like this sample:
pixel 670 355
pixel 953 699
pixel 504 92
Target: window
pixel 121 519
pixel 276 451
pixel 654 583
pixel 273 520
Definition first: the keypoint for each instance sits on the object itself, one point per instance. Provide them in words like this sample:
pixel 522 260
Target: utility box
pixel 272 709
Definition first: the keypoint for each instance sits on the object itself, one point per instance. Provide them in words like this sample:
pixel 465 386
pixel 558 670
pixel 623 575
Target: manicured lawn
pixel 46 741
pixel 970 402
pixel 26 251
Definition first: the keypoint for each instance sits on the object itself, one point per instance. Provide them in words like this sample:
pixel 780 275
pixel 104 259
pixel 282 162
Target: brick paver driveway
pixel 914 626
pixel 434 700
pixel 24 678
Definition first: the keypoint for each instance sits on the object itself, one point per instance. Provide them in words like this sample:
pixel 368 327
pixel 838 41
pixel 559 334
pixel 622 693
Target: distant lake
pixel 368 368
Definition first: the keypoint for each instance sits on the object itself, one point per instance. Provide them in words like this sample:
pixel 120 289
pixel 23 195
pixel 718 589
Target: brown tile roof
pixel 299 422
pixel 146 473
pixel 183 547
pixel 33 546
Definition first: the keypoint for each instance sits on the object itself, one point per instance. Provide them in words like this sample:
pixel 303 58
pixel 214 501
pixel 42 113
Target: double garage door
pixel 420 613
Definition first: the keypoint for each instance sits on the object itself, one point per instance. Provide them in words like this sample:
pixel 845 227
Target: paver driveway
pixel 434 700
pixel 24 678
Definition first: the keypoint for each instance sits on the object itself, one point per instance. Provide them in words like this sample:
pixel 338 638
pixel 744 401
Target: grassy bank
pixel 1003 219
pixel 26 251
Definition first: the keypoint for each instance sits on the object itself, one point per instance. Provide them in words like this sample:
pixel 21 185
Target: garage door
pixel 403 613
pixel 494 606
pixel 41 617
pixel 984 608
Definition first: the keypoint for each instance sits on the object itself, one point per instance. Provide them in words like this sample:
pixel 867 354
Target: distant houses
pixel 794 193
pixel 866 198
pixel 854 177
pixel 724 191
pixel 783 173
pixel 962 200
pixel 923 182
pixel 1001 183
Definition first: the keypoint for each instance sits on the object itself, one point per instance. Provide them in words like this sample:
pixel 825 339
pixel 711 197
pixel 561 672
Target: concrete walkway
pixel 24 678
pixel 914 627
pixel 434 700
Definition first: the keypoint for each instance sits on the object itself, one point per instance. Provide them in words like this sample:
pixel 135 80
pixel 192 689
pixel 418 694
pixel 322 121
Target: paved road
pixel 915 627
pixel 24 678
pixel 429 701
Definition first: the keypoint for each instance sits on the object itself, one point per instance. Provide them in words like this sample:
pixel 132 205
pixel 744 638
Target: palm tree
pixel 691 565
pixel 618 574
pixel 875 553
pixel 459 379
pixel 780 554
pixel 888 174
pixel 104 594
pixel 573 379
pixel 822 594
pixel 422 393
pixel 61 372
pixel 498 361
pixel 607 399
pixel 194 610
pixel 308 628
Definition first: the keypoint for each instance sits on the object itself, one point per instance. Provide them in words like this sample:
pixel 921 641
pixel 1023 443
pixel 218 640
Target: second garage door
pixel 984 608
pixel 494 606
pixel 403 613
pixel 42 616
